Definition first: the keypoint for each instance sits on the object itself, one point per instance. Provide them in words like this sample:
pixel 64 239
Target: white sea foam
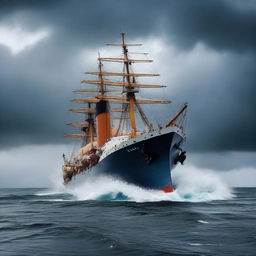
pixel 110 189
pixel 203 221
pixel 196 184
pixel 49 193
pixel 192 185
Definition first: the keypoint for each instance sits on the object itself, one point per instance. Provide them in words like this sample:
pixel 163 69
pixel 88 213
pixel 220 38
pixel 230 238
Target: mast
pixel 126 97
pixel 175 118
pixel 130 94
pixel 91 125
pixel 101 84
pixel 102 112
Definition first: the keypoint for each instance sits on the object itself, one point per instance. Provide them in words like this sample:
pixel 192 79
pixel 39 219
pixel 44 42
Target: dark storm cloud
pixel 222 106
pixel 35 94
pixel 220 24
pixel 35 84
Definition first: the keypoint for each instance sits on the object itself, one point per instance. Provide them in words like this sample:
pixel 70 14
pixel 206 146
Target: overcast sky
pixel 204 50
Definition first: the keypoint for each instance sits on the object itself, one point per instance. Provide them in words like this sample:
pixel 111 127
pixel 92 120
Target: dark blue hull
pixel 147 163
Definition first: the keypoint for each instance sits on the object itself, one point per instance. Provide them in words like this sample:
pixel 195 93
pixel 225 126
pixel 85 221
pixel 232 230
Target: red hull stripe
pixel 168 189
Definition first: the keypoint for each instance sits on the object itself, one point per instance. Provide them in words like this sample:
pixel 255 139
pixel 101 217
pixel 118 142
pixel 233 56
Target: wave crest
pixel 192 185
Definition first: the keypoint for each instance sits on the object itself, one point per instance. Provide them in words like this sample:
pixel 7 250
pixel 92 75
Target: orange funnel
pixel 103 122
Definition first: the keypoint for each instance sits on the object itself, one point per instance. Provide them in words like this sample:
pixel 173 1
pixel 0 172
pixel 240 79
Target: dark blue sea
pixel 123 220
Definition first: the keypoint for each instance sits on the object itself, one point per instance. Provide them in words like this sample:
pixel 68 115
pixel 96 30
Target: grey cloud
pixel 36 84
pixel 223 161
pixel 223 107
pixel 219 24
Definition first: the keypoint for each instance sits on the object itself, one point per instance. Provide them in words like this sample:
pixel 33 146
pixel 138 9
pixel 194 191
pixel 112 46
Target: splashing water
pixel 105 188
pixel 192 185
pixel 197 185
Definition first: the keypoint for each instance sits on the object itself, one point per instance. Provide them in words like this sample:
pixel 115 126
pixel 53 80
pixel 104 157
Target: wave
pixel 197 185
pixel 192 185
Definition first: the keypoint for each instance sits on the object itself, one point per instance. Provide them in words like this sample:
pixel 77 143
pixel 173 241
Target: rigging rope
pixel 144 117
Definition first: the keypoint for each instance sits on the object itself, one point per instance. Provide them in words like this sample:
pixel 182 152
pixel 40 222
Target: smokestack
pixel 103 122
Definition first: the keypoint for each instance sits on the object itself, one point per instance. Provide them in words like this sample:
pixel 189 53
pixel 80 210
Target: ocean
pixel 108 217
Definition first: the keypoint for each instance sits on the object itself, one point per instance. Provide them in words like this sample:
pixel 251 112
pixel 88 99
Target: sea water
pixel 109 217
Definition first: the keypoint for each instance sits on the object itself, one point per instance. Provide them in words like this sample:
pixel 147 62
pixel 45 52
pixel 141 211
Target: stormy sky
pixel 204 50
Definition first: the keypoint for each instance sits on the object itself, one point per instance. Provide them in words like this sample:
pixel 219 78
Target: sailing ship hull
pixel 146 162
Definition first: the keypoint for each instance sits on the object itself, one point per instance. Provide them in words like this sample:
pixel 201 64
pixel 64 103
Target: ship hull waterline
pixel 146 163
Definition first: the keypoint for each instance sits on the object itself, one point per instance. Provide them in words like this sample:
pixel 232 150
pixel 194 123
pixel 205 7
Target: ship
pixel 117 138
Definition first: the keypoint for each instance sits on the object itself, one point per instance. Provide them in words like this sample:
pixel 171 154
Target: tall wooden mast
pixel 126 97
pixel 102 112
pixel 91 125
pixel 130 94
pixel 101 84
